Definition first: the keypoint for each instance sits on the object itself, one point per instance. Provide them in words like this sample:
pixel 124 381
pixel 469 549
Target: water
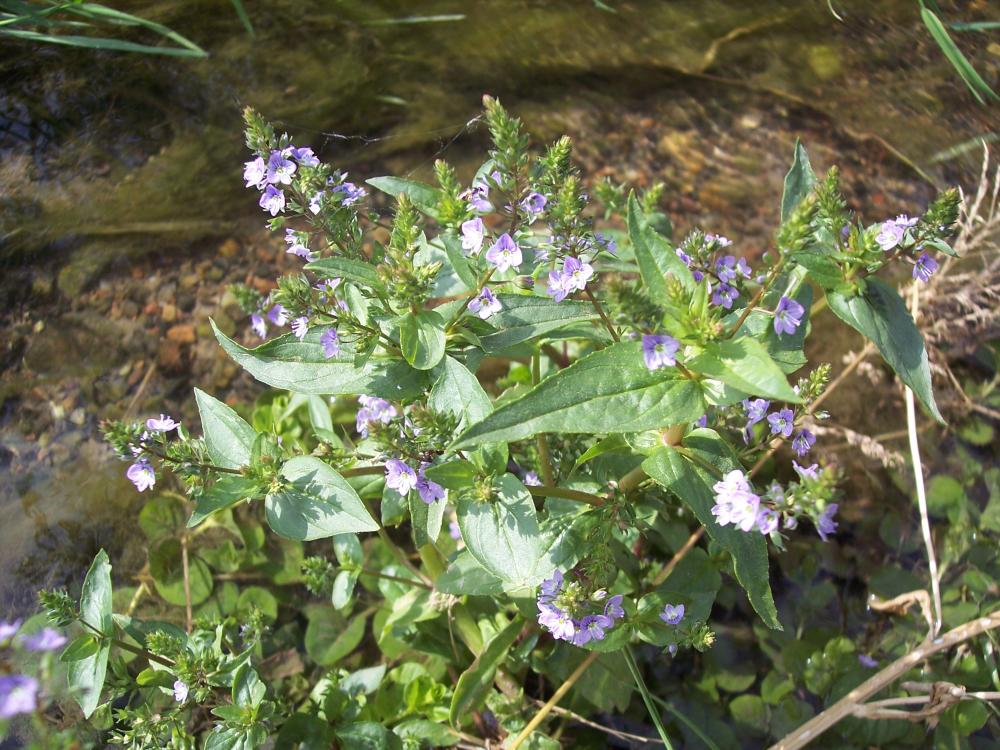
pixel 120 169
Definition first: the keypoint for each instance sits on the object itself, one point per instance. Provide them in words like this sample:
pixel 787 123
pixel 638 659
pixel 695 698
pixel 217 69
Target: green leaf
pixel 457 391
pixel 744 364
pixel 524 317
pixel 343 588
pixel 80 647
pixel 799 182
pixel 233 738
pixel 425 197
pixel 301 367
pixel 367 735
pixel 167 569
pixel 248 690
pixel 228 437
pixel 225 492
pixel 454 475
pixel 693 583
pixel 692 485
pixel 975 83
pixel 422 338
pixel 475 682
pixel 786 350
pixel 822 268
pixel 425 519
pixel 356 271
pixel 502 533
pixel 466 576
pixel 611 390
pixel 347 549
pixel 86 676
pixel 655 258
pixel 880 315
pixel 317 502
pixel 328 639
pixel 426 733
pixel 453 249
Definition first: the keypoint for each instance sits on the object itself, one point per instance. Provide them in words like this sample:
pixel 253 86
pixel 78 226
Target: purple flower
pixel 743 268
pixel 180 691
pixel 486 304
pixel 724 295
pixel 454 531
pixel 304 156
pixel 272 200
pixel 255 173
pixel 330 342
pixel 866 661
pixel 163 424
pixel 787 316
pixel 557 622
pixel 924 268
pixel 718 239
pixel 327 288
pixel 576 274
pixel 296 244
pixel 606 243
pixel 374 410
pixel 557 286
pixel 755 409
pixel 684 257
pixel 18 695
pixel 782 422
pixel 725 268
pixel 698 276
pixel 659 351
pixel 351 192
pixel 767 521
pixel 531 479
pixel 477 197
pixel 316 202
pixel 277 315
pixel 592 628
pixel 300 327
pixel 613 608
pixel 473 232
pixel 672 614
pixel 702 421
pixel 905 221
pixel 534 205
pixel 803 442
pixel 504 254
pixel 551 587
pixel 890 234
pixel 8 630
pixel 46 639
pixel 825 524
pixel 280 169
pixel 735 501
pixel 429 491
pixel 806 472
pixel 141 474
pixel 399 476
pixel 258 325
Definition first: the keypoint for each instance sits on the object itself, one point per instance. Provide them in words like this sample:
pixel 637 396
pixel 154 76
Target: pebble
pixel 168 313
pixel 181 334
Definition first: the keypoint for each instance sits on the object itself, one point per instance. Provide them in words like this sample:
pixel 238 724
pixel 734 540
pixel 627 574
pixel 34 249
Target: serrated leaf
pixel 425 197
pixel 422 338
pixel 317 502
pixel 744 364
pixel 524 317
pixel 692 485
pixel 474 683
pixel 228 437
pixel 301 366
pixel 608 391
pixel 880 315
pixel 799 182
pixel 355 271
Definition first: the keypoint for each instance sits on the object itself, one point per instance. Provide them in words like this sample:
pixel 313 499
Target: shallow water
pixel 107 161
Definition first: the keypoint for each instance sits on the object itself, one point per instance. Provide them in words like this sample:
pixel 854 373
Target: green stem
pixel 604 317
pixel 654 714
pixel 566 494
pixel 127 646
pixel 479 290
pixel 397 579
pixel 679 715
pixel 775 272
pixel 544 458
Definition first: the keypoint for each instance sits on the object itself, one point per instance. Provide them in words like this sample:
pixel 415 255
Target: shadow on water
pixel 106 159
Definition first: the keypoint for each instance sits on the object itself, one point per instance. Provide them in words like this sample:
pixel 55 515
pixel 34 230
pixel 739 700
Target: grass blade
pixel 241 12
pixel 408 20
pixel 116 45
pixel 654 713
pixel 976 26
pixel 959 61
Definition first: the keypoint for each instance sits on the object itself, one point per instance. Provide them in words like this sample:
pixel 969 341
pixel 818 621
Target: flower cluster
pixel 565 611
pixel 403 479
pixel 277 171
pixel 781 423
pixel 19 692
pixel 141 472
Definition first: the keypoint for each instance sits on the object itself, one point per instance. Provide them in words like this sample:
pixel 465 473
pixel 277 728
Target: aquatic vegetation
pixel 645 397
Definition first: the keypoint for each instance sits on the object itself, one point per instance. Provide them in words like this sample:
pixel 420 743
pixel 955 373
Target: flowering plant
pixel 645 381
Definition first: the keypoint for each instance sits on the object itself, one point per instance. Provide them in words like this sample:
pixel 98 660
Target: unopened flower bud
pixel 524 282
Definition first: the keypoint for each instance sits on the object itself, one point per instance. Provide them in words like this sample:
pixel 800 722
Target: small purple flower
pixel 330 342
pixel 557 286
pixel 8 630
pixel 272 200
pixel 296 244
pixel 280 169
pixel 18 695
pixel 504 253
pixel 782 422
pixel 613 608
pixel 534 205
pixel 316 202
pixel 825 524
pixel 304 156
pixel 606 243
pixel 672 614
pixel 429 491
pixel 718 239
pixel 255 173
pixel 787 316
pixel 46 639
pixel 454 531
pixel 698 276
pixel 905 221
pixel 684 257
pixel 755 409
pixel 180 691
pixel 803 442
pixel 890 235
pixel 659 351
pixel 374 410
pixel 743 268
pixel 576 274
pixel 351 193
pixel 473 232
pixel 702 421
pixel 258 325
pixel 924 268
pixel 557 622
pixel 486 304
pixel 866 661
pixel 724 295
pixel 735 501
pixel 328 288
pixel 767 521
pixel 141 474
pixel 806 472
pixel 531 479
pixel 592 628
pixel 399 476
pixel 163 424
pixel 725 268
pixel 551 587
pixel 672 649
pixel 477 197
pixel 277 315
pixel 300 327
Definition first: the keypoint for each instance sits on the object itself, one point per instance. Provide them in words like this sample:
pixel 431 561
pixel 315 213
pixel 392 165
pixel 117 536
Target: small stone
pixel 181 334
pixel 169 357
pixel 169 313
pixel 229 248
pixel 190 281
pixel 78 417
